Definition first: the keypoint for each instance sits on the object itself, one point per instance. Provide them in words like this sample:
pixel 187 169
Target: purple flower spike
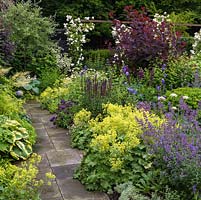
pixel 125 69
pixel 158 87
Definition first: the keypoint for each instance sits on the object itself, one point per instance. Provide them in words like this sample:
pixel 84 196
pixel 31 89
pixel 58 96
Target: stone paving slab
pixel 61 142
pixel 65 171
pixel 52 191
pixel 42 149
pixel 63 157
pixel 58 198
pixel 53 144
pixel 55 131
pixel 38 125
pixel 73 190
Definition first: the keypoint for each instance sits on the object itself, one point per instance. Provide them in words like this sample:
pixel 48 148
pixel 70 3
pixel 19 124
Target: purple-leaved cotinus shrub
pixel 143 40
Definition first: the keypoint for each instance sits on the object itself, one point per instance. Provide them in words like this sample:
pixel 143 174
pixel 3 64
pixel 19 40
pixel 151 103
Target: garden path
pixel 58 157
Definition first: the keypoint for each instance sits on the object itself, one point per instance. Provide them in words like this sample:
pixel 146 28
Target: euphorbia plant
pixel 144 40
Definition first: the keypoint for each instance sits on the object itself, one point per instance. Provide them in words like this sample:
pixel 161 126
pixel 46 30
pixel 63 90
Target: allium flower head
pixel 127 73
pixel 19 93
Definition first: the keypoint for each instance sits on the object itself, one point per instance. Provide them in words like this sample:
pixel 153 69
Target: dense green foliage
pixel 137 121
pixel 97 59
pixel 114 148
pixel 100 8
pixel 180 72
pixel 30 35
pixel 191 96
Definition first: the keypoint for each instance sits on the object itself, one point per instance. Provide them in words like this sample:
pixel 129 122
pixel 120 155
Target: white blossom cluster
pixel 62 59
pixel 197 43
pixel 117 32
pixel 161 18
pixel 75 29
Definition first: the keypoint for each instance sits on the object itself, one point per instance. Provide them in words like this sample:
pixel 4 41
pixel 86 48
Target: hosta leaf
pixel 36 90
pixel 18 135
pixel 4 147
pixel 22 145
pixel 35 82
pixel 14 155
pixel 8 136
pixel 27 87
pixel 27 146
pixel 22 150
pixel 23 130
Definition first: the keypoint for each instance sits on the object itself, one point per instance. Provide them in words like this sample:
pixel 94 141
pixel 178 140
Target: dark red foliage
pixel 143 39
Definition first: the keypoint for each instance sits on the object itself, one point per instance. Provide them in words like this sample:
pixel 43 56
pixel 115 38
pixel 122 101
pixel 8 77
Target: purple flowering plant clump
pixel 176 145
pixel 64 114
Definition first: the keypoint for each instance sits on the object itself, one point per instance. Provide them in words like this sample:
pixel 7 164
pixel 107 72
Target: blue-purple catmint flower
pixel 62 101
pixel 163 66
pixel 53 118
pixel 163 81
pixel 194 188
pixel 131 90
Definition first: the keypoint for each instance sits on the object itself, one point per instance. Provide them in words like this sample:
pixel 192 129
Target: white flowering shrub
pixel 197 43
pixel 117 34
pixel 161 18
pixel 63 60
pixel 75 31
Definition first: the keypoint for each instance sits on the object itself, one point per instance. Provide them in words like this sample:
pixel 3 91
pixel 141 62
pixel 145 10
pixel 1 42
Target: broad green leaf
pixel 36 90
pixel 27 87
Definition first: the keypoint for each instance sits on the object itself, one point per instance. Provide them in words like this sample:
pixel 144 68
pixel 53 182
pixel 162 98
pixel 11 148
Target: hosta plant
pixel 14 140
